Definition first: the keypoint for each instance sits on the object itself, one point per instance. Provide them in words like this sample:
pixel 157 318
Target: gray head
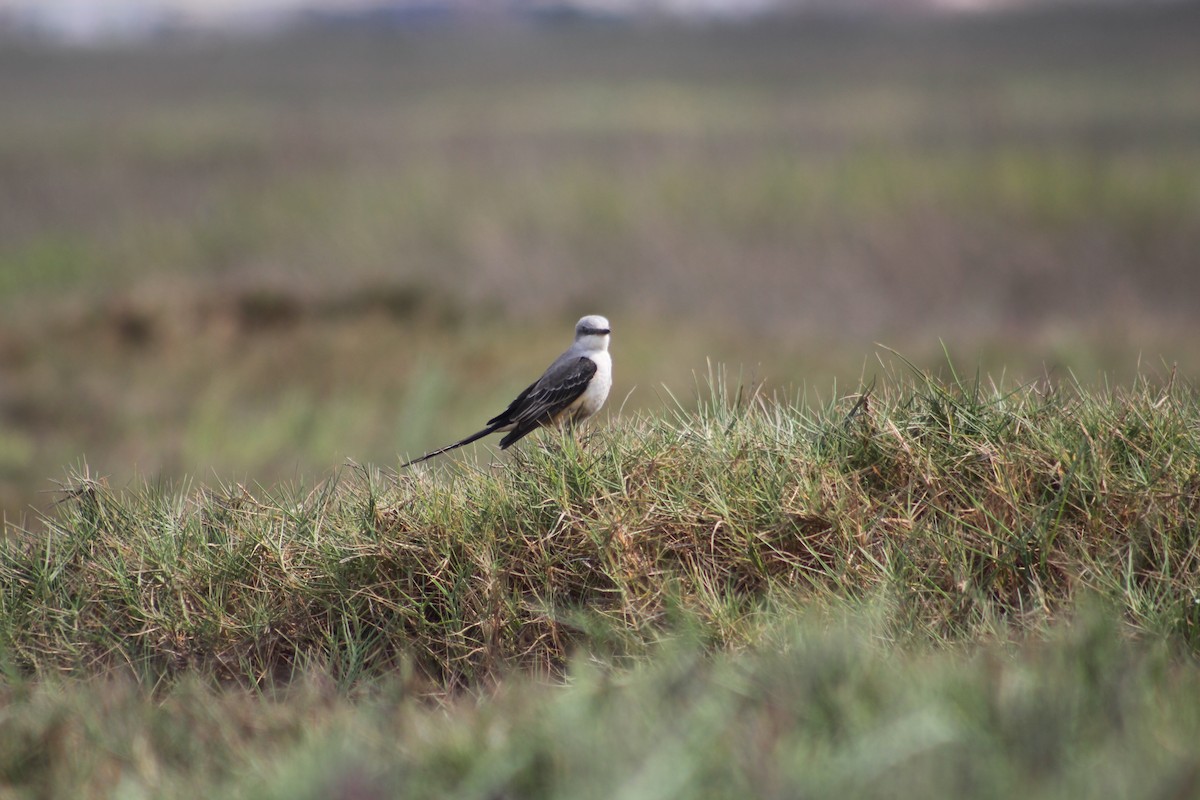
pixel 592 331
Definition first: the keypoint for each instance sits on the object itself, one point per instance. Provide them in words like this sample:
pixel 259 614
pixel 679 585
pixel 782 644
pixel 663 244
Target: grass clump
pixel 818 706
pixel 972 510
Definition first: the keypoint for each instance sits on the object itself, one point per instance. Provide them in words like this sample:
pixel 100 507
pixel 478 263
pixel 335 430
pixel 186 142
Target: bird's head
pixel 592 332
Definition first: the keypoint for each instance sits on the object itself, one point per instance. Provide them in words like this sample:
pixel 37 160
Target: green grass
pixel 973 508
pixel 945 588
pixel 819 707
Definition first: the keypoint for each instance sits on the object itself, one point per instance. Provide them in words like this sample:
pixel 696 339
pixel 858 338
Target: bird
pixel 571 390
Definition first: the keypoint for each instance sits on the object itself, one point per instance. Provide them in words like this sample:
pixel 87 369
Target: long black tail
pixel 448 448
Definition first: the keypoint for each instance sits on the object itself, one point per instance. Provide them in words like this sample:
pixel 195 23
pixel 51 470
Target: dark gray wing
pixel 540 403
pixel 558 387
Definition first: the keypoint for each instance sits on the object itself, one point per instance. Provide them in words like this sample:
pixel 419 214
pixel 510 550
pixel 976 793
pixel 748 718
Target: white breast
pixel 596 393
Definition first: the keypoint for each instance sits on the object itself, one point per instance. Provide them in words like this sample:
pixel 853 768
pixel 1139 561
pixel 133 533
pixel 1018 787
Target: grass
pixel 819 708
pixel 935 588
pixel 973 508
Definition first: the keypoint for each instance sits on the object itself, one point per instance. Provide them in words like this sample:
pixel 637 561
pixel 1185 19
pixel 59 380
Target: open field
pixel 239 280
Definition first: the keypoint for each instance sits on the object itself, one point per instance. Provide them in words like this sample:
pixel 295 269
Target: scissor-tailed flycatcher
pixel 572 389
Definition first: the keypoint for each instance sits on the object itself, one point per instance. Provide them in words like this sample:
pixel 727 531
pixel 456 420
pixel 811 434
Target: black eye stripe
pixel 594 331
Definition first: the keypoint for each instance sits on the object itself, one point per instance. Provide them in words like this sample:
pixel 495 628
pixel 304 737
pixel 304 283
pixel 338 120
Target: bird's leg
pixel 574 428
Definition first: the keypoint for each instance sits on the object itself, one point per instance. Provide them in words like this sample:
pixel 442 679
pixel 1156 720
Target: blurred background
pixel 245 241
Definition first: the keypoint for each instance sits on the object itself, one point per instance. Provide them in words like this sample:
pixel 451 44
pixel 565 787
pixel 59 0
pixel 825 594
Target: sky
pixel 91 20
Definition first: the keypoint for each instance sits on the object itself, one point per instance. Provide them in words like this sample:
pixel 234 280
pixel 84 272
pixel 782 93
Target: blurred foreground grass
pixel 815 708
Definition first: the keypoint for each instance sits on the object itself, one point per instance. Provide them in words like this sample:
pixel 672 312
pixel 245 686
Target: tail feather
pixel 448 448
